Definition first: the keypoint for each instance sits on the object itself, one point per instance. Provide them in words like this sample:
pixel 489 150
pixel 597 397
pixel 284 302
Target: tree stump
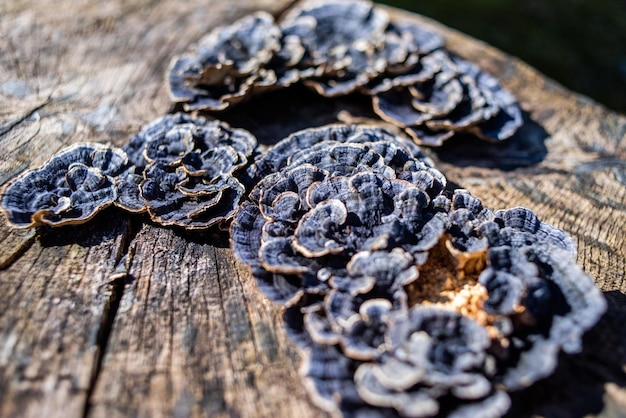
pixel 120 317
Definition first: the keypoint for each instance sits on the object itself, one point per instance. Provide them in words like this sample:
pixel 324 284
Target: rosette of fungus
pixel 311 140
pixel 540 299
pixel 435 362
pixel 339 47
pixel 70 188
pixel 459 97
pixel 228 64
pixel 392 330
pixel 188 169
pixel 343 43
pixel 411 45
pixel 328 203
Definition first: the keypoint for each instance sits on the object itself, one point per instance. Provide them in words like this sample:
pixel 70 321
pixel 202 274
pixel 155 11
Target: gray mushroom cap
pixel 402 52
pixel 70 188
pixel 506 118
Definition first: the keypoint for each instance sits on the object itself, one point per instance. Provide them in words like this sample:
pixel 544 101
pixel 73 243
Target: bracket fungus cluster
pixel 185 170
pixel 339 47
pixel 407 300
pixel 70 188
pixel 182 170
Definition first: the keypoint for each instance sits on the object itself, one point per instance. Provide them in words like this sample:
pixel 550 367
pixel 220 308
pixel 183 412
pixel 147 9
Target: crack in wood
pixel 116 286
pixel 5 128
pixel 18 251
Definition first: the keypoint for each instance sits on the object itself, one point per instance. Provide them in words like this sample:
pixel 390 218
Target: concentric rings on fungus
pixel 339 47
pixel 434 361
pixel 70 188
pixel 297 144
pixel 459 97
pixel 330 201
pixel 186 170
pixel 406 300
pixel 341 44
pixel 226 64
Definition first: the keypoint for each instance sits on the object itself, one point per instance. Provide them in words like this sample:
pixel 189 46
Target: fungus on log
pixel 338 47
pixel 387 277
pixel 70 188
pixel 331 201
pixel 185 171
pixel 227 64
pixel 434 361
pixel 458 98
pixel 302 142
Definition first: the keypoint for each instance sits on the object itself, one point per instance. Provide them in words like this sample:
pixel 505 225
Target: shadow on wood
pixel 526 148
pixel 578 387
pixel 106 225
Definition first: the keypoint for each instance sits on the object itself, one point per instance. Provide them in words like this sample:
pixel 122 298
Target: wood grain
pixel 122 318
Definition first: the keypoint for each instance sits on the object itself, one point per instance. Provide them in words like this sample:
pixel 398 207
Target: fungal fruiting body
pixel 69 188
pixel 183 171
pixel 186 170
pixel 406 300
pixel 340 47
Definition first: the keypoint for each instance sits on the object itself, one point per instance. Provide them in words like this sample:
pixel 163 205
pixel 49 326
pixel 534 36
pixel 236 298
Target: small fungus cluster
pixel 340 47
pixel 407 299
pixel 70 188
pixel 179 169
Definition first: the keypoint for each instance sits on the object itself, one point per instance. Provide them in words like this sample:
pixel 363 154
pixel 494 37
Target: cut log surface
pixel 120 317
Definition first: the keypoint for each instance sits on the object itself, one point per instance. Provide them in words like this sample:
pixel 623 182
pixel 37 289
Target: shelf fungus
pixel 70 188
pixel 459 97
pixel 340 47
pixel 406 300
pixel 307 223
pixel 312 140
pixel 227 64
pixel 185 171
pixel 345 44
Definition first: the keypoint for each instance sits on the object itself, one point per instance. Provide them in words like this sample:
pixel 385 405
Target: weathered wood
pixel 55 300
pixel 122 318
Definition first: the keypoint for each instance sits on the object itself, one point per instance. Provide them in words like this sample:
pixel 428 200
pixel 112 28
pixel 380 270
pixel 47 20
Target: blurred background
pixel 579 43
